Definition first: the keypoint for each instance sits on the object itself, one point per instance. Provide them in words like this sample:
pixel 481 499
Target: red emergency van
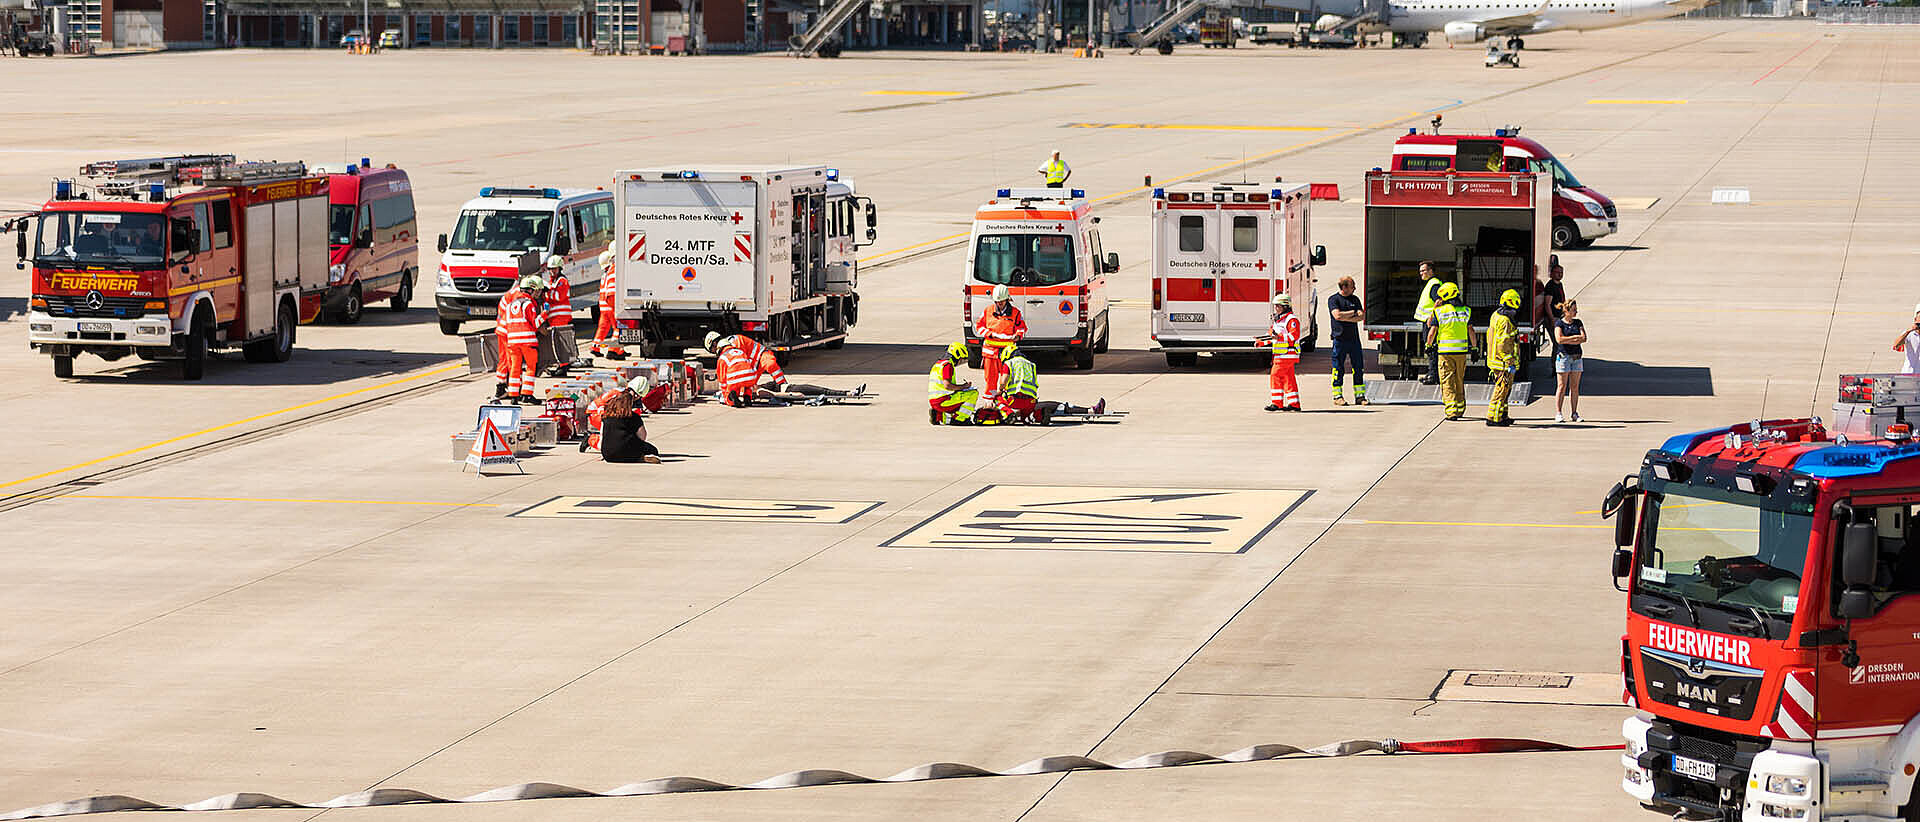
pixel 373 239
pixel 1580 214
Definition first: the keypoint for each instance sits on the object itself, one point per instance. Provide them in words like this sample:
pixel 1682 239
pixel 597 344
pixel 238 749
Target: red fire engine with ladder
pixel 170 257
pixel 1773 628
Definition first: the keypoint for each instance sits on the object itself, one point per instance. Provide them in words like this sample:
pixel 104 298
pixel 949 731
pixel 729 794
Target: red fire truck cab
pixel 1580 214
pixel 166 258
pixel 1773 628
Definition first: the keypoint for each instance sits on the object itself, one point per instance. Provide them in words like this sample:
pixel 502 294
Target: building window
pixel 540 30
pixel 422 29
pixel 453 28
pixel 510 28
pixel 483 29
pixel 569 29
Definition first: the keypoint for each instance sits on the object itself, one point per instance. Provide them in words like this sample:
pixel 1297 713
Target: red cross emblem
pixel 1059 227
pixel 1260 265
pixel 736 218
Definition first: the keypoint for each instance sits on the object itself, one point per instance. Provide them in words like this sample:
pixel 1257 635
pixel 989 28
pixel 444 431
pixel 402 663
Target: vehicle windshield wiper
pixel 1766 632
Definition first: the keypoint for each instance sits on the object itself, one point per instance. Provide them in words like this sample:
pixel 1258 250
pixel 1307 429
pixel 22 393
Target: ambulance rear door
pixel 1248 250
pixel 1190 268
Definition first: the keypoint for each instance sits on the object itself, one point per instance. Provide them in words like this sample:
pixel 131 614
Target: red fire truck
pixel 169 257
pixel 1484 231
pixel 1773 628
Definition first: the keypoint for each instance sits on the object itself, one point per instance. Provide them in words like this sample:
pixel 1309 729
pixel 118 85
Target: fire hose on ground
pixel 808 778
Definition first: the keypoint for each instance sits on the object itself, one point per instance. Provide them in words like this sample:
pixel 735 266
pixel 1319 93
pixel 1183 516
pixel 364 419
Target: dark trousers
pixel 1433 363
pixel 1347 355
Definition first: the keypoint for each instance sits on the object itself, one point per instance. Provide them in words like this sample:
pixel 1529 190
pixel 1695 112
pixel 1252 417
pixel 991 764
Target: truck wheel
pixel 1565 233
pixel 1083 359
pixel 973 358
pixel 404 295
pixel 194 365
pixel 450 328
pixel 279 347
pixel 354 309
pixel 63 366
pixel 1182 359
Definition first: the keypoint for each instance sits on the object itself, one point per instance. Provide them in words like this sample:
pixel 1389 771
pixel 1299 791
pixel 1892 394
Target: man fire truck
pixel 764 252
pixel 169 257
pixel 1485 231
pixel 1773 578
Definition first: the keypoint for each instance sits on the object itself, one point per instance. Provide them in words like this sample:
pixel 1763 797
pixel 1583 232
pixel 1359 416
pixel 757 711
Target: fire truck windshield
pixel 100 238
pixel 490 230
pixel 1722 548
pixel 1024 259
pixel 1561 176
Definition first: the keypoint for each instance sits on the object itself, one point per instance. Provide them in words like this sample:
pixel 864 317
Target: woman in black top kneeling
pixel 623 437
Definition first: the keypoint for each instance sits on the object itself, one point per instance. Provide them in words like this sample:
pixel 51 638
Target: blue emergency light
pixel 486 191
pixel 689 175
pixel 1501 132
pixel 551 193
pixel 1276 194
pixel 1159 193
pixel 1412 130
pixel 156 192
pixel 1005 192
pixel 63 189
pixel 366 162
pixel 1079 193
pixel 833 174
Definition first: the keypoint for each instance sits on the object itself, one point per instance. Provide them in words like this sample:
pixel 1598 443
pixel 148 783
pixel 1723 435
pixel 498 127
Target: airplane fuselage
pixel 1489 19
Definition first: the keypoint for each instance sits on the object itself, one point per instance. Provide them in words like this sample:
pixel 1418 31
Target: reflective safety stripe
pixel 1023 380
pixel 1424 311
pixel 1056 171
pixel 560 302
pixel 520 319
pixel 940 380
pixel 1455 328
pixel 737 373
pixel 1286 337
pixel 994 327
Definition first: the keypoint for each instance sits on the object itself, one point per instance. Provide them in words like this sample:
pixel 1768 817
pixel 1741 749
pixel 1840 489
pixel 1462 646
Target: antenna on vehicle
pixel 1243 163
pixel 1764 389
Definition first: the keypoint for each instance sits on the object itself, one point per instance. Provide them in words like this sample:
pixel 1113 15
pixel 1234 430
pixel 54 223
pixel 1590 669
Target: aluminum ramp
pixel 1413 392
pixel 827 26
pixel 1181 13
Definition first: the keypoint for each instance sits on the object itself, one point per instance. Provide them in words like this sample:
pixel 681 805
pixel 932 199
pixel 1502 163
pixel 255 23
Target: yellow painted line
pixel 1601 101
pixel 139 497
pixel 908 92
pixel 1531 525
pixel 224 426
pixel 192 287
pixel 1195 127
pixel 1180 177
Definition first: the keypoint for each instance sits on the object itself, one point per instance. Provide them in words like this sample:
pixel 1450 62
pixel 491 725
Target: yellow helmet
pixel 532 282
pixel 1510 298
pixel 958 351
pixel 1448 291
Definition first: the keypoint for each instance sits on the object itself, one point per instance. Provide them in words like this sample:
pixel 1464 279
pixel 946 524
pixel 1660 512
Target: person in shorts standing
pixel 1569 336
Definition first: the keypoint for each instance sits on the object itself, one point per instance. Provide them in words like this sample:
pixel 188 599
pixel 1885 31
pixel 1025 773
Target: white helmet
pixel 555 261
pixel 1001 293
pixel 713 337
pixel 1282 299
pixel 639 385
pixel 606 258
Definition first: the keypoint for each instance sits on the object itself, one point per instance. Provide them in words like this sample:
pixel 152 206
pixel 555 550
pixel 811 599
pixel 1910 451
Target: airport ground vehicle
pixel 1264 33
pixel 1581 215
pixel 1773 579
pixel 1217 31
pixel 1043 244
pixel 1485 231
pixel 506 232
pixel 390 39
pixel 373 237
pixel 768 252
pixel 1221 251
pixel 168 257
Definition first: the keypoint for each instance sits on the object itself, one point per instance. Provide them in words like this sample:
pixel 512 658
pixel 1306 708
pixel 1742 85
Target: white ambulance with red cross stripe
pixel 1221 251
pixel 763 251
pixel 1043 244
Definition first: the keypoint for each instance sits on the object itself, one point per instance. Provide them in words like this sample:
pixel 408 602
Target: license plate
pixel 1683 766
pixel 479 311
pixel 1186 318
pixel 96 328
pixel 629 335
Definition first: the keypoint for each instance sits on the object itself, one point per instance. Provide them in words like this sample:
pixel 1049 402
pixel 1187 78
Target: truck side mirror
pixel 872 235
pixel 873 217
pixel 443 243
pixel 1319 255
pixel 1858 555
pixel 20 244
pixel 1113 262
pixel 1624 523
pixel 1622 564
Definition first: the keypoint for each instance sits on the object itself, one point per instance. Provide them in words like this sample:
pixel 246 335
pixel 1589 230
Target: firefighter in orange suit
pixel 605 339
pixel 1284 390
pixel 523 321
pixel 760 356
pixel 999 329
pixel 738 376
pixel 558 303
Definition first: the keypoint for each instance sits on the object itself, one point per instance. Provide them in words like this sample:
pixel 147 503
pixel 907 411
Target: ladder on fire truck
pixel 827 27
pixel 125 177
pixel 1181 13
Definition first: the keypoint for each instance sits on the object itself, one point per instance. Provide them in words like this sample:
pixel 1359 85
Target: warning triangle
pixel 489 450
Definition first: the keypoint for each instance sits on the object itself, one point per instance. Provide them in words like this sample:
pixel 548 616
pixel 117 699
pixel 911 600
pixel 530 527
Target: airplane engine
pixel 1328 22
pixel 1462 32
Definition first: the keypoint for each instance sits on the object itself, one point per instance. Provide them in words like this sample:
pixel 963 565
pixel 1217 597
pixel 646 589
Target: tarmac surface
pixel 275 581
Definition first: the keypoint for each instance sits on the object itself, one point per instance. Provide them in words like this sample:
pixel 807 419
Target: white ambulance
pixel 1043 244
pixel 496 233
pixel 764 250
pixel 1221 251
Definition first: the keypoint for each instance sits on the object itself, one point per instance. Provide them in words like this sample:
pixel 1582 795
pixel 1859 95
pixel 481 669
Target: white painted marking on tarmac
pixel 1539 688
pixel 1055 517
pixel 689 509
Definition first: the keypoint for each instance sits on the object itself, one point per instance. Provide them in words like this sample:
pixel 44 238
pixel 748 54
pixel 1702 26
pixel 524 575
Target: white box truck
pixel 764 251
